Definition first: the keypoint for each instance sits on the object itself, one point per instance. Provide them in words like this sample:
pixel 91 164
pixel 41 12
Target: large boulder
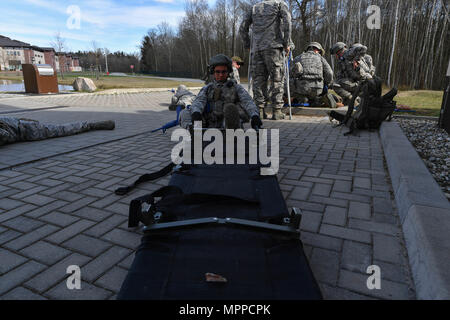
pixel 84 84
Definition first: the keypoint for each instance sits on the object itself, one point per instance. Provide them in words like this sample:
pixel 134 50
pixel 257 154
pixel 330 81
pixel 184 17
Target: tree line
pixel 410 49
pixel 95 60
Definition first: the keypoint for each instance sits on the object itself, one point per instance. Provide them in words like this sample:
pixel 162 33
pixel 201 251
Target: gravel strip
pixel 433 146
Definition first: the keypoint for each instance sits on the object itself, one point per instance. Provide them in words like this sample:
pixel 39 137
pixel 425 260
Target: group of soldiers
pixel 266 33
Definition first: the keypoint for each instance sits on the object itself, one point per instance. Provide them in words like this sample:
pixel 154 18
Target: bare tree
pixel 97 51
pixel 393 44
pixel 59 44
pixel 410 49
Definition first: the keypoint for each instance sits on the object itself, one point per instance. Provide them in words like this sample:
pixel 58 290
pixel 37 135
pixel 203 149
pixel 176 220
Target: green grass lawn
pixel 112 82
pixel 424 102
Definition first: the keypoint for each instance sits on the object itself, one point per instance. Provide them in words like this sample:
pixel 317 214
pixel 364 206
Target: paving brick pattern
pixel 60 209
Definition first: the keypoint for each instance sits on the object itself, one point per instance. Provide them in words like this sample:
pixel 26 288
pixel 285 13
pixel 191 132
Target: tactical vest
pixel 312 66
pixel 217 96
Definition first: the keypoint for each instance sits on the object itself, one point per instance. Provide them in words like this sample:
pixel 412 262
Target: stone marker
pixel 84 84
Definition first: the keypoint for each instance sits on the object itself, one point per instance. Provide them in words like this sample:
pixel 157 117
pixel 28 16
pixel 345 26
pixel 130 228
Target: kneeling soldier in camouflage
pixel 311 75
pixel 222 104
pixel 16 130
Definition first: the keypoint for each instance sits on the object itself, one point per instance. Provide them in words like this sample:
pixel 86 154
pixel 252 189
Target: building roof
pixel 7 42
pixel 36 48
pixel 47 49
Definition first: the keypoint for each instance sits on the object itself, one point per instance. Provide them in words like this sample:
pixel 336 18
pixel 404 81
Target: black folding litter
pixel 223 222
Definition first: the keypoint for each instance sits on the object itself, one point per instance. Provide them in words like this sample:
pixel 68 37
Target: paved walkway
pixel 61 210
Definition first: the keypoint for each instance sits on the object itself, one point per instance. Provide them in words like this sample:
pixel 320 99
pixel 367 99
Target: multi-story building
pixel 51 58
pixel 39 57
pixel 14 53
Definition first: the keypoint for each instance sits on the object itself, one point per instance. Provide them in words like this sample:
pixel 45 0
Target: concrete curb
pixel 424 214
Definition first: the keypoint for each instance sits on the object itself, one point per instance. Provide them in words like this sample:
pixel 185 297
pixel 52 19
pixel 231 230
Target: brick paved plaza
pixel 58 207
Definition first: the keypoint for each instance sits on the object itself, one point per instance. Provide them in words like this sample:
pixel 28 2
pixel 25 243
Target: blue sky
pixel 114 24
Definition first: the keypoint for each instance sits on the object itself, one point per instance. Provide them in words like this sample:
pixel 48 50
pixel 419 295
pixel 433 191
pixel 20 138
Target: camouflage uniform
pixel 271 24
pixel 310 73
pixel 235 75
pixel 212 101
pixel 182 97
pixel 349 77
pixel 366 60
pixel 16 130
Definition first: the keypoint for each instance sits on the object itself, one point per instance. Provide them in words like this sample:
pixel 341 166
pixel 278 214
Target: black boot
pixel 102 125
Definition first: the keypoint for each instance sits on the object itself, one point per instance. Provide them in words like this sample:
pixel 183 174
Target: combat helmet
pixel 356 51
pixel 360 47
pixel 220 60
pixel 316 45
pixel 337 47
pixel 181 87
pixel 238 60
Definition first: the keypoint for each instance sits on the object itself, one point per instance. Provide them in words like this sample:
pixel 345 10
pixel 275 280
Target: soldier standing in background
pixel 237 64
pixel 17 130
pixel 271 25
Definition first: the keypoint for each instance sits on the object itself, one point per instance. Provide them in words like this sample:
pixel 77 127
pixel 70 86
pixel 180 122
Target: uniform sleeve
pixel 327 72
pixel 200 102
pixel 246 101
pixel 370 63
pixel 357 74
pixel 286 24
pixel 364 75
pixel 245 27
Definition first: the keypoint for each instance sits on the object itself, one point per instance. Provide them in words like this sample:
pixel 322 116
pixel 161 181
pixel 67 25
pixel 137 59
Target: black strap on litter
pixel 135 211
pixel 172 196
pixel 146 177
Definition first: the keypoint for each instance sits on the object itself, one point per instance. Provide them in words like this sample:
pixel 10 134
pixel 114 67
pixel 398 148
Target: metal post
pixel 286 68
pixel 250 64
pixel 106 60
pixel 444 119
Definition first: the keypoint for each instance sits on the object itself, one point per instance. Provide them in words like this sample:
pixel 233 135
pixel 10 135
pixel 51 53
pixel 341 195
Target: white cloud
pixel 105 13
pixel 118 25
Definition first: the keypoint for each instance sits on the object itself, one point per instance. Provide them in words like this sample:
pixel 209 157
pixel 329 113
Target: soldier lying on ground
pixel 182 97
pixel 16 130
pixel 222 103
